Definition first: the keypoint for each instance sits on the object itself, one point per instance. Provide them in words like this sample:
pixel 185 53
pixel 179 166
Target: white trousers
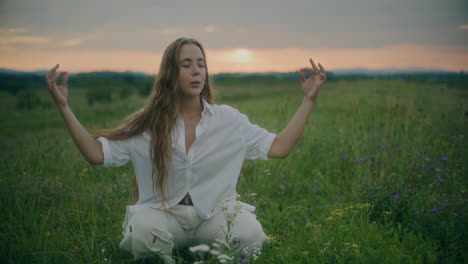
pixel 153 232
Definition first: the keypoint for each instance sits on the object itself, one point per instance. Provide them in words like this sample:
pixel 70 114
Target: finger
pixel 313 65
pixel 301 74
pixel 65 79
pixel 58 76
pixel 324 77
pixel 52 71
pixel 322 69
pixel 309 70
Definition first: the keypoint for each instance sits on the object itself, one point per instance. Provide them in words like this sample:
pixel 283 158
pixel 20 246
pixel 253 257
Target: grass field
pixel 379 176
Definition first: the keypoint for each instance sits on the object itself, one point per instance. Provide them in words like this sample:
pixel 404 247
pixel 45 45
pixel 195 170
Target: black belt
pixel 187 200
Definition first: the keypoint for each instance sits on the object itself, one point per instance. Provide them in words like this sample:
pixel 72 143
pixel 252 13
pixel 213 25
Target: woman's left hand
pixel 311 85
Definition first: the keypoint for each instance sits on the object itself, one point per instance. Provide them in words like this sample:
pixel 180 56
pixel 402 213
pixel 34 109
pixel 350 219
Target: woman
pixel 187 154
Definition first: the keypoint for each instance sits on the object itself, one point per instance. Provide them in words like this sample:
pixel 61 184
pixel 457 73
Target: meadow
pixel 379 176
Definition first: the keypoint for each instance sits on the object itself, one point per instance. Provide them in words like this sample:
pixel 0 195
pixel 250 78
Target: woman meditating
pixel 187 153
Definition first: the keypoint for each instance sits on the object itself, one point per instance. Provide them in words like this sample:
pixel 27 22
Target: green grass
pixel 318 205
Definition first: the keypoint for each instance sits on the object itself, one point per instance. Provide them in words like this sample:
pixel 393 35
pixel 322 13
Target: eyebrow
pixel 188 59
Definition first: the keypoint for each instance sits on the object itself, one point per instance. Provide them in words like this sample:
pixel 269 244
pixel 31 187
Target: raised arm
pixel 287 139
pixel 88 146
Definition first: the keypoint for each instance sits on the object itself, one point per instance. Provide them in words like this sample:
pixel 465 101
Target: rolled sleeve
pixel 116 152
pixel 258 139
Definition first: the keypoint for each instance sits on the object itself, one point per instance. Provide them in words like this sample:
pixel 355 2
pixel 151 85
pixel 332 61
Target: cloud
pixel 209 28
pixel 168 31
pixel 463 27
pixel 12 30
pixel 23 40
pixel 69 43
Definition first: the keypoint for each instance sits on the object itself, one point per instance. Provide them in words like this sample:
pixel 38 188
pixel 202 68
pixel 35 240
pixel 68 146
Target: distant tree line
pixel 100 86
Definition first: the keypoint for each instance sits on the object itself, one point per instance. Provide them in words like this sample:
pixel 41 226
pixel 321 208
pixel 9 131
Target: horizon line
pixel 408 69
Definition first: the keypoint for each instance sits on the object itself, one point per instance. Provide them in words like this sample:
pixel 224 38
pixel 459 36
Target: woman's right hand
pixel 59 93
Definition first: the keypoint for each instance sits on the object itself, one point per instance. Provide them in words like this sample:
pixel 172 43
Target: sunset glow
pixel 244 60
pixel 242 38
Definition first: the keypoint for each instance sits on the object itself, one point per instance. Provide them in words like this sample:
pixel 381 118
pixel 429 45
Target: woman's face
pixel 192 72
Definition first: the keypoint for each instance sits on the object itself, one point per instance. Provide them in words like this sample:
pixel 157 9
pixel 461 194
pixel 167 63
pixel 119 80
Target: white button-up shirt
pixel 210 170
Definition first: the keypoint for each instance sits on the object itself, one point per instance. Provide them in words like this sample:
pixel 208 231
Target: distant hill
pixel 337 72
pixel 15 81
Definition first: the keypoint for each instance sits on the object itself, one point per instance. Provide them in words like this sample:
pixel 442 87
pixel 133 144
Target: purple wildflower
pixel 309 209
pixel 434 210
pixel 395 196
pixel 415 210
pixel 440 180
pixel 316 181
pixel 235 240
pixel 337 198
pixel 362 159
pixel 384 147
pixel 243 256
pixel 431 167
pixel 397 149
pixel 444 159
pixel 345 156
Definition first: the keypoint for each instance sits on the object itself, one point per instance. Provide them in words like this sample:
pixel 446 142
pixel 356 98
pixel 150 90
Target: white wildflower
pixel 216 245
pixel 201 247
pixel 215 252
pixel 224 243
pixel 225 257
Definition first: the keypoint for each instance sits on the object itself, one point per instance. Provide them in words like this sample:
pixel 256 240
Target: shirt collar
pixel 207 107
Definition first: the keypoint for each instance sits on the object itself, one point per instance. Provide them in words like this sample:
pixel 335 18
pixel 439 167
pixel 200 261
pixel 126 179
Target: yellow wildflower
pixel 305 253
pixel 271 238
pixel 48 234
pixel 360 205
pixel 337 213
pixel 328 218
pixel 347 244
pixel 387 212
pixel 355 246
pixel 349 207
pixel 84 170
pixel 353 211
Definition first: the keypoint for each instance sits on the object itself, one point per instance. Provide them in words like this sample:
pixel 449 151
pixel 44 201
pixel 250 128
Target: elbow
pixel 95 161
pixel 277 150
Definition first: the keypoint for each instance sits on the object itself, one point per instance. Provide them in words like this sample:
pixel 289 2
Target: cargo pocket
pixel 162 241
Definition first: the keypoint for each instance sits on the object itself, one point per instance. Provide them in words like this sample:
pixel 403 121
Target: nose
pixel 196 71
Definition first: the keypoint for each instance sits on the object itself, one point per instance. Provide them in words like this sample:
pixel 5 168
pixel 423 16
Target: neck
pixel 191 105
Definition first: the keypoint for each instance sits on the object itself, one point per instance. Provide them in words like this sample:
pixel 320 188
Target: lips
pixel 195 82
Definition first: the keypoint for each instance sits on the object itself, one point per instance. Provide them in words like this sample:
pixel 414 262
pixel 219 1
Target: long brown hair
pixel 159 115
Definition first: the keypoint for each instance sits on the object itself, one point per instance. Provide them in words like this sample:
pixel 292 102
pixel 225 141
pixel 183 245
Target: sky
pixel 238 36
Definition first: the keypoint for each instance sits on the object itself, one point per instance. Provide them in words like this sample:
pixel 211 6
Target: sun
pixel 242 55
